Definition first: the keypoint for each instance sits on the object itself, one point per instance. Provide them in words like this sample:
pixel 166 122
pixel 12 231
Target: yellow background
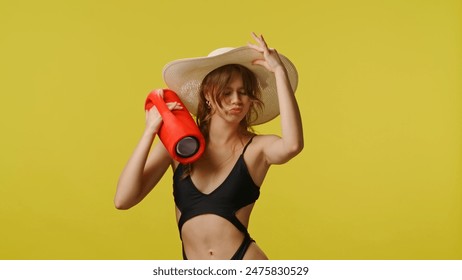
pixel 380 94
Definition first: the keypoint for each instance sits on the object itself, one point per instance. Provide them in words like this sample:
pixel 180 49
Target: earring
pixel 208 104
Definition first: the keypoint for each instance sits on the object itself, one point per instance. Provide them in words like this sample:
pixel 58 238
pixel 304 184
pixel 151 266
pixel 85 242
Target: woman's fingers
pixel 257 48
pixel 271 59
pixel 174 106
pixel 152 113
pixel 261 62
pixel 154 118
pixel 260 40
pixel 160 92
pixel 262 46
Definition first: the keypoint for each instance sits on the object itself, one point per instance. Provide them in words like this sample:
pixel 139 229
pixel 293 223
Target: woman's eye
pixel 227 93
pixel 243 92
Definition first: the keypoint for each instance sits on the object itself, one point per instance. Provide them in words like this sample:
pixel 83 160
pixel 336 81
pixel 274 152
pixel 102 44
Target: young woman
pixel 228 91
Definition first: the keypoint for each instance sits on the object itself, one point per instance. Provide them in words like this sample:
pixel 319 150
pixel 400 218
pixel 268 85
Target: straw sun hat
pixel 185 76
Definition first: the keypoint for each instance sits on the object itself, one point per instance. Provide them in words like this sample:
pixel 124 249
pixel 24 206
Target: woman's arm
pixel 144 169
pixel 278 150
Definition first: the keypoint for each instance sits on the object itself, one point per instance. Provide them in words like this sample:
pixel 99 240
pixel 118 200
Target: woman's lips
pixel 237 110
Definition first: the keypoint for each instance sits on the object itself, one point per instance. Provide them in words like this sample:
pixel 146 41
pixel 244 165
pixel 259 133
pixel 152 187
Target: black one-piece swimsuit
pixel 237 191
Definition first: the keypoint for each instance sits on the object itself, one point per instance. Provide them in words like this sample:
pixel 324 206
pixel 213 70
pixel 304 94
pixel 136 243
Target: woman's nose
pixel 235 97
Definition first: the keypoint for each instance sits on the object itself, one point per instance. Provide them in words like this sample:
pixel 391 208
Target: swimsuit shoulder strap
pixel 246 145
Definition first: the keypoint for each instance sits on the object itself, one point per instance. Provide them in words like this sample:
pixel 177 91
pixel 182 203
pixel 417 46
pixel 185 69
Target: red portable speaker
pixel 178 132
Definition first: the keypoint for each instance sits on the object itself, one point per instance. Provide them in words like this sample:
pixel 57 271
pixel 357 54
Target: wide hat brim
pixel 184 76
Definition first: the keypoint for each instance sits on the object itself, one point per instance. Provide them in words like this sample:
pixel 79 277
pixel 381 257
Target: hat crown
pixel 220 51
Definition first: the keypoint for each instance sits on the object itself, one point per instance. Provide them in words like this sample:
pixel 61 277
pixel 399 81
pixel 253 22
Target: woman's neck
pixel 222 133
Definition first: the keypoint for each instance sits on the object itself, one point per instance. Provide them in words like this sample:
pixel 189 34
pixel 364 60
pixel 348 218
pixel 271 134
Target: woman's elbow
pixel 295 149
pixel 121 204
pixel 289 153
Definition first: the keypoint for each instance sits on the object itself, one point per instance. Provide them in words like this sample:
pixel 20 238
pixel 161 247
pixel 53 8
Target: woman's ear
pixel 208 100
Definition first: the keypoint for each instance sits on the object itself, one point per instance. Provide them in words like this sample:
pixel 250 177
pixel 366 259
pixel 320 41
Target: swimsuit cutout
pixel 237 191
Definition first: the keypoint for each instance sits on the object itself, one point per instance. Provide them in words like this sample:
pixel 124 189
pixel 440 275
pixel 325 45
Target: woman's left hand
pixel 271 60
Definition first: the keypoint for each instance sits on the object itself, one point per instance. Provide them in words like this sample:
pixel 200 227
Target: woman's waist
pixel 211 240
pixel 210 230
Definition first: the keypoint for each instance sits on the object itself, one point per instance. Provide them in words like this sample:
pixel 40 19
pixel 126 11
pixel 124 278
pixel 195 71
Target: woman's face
pixel 235 102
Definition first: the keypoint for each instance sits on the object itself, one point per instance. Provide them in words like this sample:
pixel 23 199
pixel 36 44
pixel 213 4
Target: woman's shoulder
pixel 260 141
pixel 263 139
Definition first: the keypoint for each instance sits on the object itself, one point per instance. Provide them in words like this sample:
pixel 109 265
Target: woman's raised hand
pixel 271 60
pixel 154 118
